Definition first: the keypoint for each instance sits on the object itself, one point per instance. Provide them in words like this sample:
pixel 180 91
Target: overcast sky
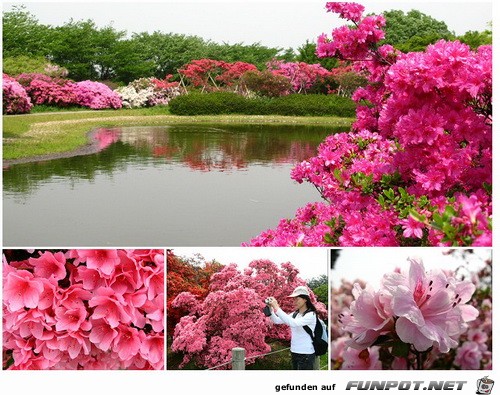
pixel 311 262
pixel 370 264
pixel 276 24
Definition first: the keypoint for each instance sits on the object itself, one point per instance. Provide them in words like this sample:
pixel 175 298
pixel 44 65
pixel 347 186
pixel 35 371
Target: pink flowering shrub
pixel 15 98
pixel 231 314
pixel 416 167
pixel 61 92
pixel 415 320
pixel 96 95
pixel 302 76
pixel 44 89
pixel 83 309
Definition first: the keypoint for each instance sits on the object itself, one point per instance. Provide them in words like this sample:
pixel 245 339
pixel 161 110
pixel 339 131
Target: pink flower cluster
pixel 349 43
pixel 83 309
pixel 15 99
pixel 231 315
pixel 96 95
pixel 47 90
pixel 302 76
pixel 417 166
pixel 350 11
pixel 57 91
pixel 421 319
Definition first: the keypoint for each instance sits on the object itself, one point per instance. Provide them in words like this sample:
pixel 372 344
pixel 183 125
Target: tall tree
pixel 85 50
pixel 402 29
pixel 23 34
pixel 475 39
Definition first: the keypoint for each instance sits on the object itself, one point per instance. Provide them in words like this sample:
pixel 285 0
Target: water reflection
pixel 162 186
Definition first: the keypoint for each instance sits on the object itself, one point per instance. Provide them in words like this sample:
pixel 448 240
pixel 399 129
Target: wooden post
pixel 238 358
pixel 316 363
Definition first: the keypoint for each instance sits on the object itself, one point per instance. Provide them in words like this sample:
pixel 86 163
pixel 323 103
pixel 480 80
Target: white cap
pixel 301 290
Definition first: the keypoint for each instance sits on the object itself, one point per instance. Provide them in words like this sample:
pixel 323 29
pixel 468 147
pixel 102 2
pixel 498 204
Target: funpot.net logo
pixel 406 385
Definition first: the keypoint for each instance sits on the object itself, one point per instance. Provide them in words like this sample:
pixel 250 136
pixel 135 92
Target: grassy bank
pixel 31 135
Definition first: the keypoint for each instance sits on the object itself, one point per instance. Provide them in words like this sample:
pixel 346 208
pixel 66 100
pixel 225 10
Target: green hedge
pixel 217 103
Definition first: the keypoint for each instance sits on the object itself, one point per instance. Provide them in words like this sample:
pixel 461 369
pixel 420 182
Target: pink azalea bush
pixel 231 314
pixel 416 167
pixel 83 309
pixel 416 320
pixel 96 95
pixel 44 89
pixel 15 98
pixel 61 92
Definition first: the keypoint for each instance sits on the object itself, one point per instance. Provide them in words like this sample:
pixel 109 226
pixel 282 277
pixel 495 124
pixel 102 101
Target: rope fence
pixel 238 359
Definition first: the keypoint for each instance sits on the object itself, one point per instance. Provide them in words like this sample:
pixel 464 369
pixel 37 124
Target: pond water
pixel 179 185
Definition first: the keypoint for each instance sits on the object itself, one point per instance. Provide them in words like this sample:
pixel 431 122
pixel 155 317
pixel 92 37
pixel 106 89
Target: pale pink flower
pixel 469 356
pixel 366 359
pixel 430 307
pixel 367 318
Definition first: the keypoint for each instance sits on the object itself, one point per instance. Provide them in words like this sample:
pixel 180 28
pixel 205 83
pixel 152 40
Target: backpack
pixel 320 337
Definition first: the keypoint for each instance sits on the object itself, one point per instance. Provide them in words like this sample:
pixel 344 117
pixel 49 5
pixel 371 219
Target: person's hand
pixel 274 304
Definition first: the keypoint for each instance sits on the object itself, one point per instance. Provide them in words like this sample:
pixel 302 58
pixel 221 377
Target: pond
pixel 178 185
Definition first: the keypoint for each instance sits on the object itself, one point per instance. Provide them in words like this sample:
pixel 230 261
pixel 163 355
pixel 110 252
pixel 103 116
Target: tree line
pixel 91 52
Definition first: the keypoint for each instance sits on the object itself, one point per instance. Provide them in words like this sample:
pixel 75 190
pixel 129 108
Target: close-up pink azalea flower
pixel 417 319
pixel 102 260
pixel 110 306
pixel 22 289
pixel 367 317
pixel 49 265
pixel 429 306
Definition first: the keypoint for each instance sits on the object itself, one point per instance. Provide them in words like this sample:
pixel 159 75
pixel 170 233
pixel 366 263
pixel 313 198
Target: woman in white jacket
pixel 302 349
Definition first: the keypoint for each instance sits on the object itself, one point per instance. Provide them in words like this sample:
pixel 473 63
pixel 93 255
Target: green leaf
pixel 389 193
pixel 416 215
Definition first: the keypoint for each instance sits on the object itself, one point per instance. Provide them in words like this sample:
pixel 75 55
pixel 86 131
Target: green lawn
pixel 43 133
